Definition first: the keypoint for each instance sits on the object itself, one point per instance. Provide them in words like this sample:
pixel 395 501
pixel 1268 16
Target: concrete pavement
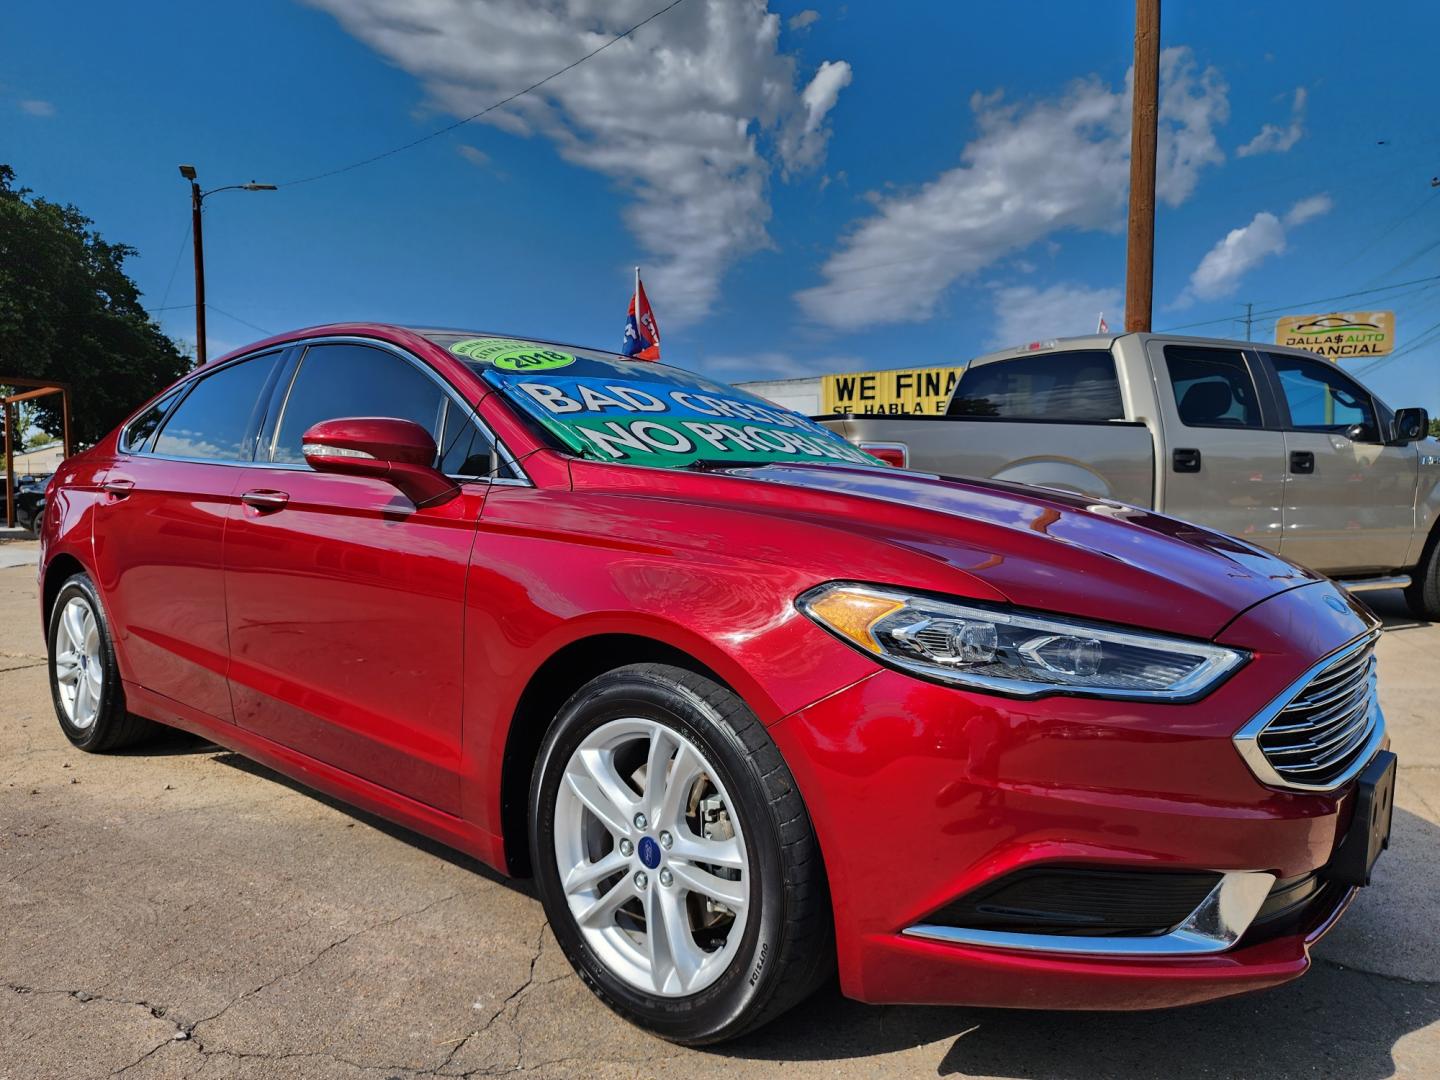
pixel 179 912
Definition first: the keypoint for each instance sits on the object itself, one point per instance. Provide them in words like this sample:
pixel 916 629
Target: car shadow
pixel 364 817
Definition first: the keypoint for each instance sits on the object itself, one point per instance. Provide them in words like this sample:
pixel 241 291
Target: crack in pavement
pixel 186 1032
pixel 158 1012
pixel 504 1005
pixel 1337 965
pixel 380 925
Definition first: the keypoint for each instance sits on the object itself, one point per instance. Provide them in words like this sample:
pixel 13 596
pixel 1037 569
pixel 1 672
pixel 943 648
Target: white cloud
pixel 1034 169
pixel 743 367
pixel 803 20
pixel 1243 249
pixel 36 107
pixel 1273 139
pixel 684 116
pixel 803 146
pixel 1309 209
pixel 473 154
pixel 1024 313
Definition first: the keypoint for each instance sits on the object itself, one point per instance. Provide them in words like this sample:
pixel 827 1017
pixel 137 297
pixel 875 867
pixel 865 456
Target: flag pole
pixel 637 299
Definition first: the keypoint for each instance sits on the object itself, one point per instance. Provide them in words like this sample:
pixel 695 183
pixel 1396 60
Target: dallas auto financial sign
pixel 1339 335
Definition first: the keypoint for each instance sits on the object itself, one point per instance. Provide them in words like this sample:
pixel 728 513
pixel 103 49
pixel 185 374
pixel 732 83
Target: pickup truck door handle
pixel 118 489
pixel 1302 461
pixel 1186 460
pixel 265 500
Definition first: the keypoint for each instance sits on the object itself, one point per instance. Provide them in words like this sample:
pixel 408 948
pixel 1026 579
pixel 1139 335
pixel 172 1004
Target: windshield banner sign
pixel 655 423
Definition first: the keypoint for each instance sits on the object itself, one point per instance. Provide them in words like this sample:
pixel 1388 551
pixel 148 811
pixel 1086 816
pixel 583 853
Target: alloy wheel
pixel 79 666
pixel 652 858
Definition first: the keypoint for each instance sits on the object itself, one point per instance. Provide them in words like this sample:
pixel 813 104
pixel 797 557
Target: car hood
pixel 1038 547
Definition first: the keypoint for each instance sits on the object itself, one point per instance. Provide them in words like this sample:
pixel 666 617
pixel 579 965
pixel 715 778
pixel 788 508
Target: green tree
pixel 1435 428
pixel 69 312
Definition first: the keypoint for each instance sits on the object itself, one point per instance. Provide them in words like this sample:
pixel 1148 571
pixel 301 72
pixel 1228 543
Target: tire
pixel 89 706
pixel 724 969
pixel 1423 594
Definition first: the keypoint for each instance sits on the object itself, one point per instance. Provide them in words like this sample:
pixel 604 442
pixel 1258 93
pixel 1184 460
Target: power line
pixel 1305 303
pixel 488 109
pixel 243 322
pixel 173 268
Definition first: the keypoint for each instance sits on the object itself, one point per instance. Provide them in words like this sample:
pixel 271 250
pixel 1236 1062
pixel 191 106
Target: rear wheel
pixel 675 859
pixel 1423 595
pixel 84 679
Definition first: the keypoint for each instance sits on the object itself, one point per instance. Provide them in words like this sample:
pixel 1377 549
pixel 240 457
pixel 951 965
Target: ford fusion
pixel 750 706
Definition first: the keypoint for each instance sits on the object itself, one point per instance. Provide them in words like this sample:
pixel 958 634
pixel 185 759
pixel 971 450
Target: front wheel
pixel 677 865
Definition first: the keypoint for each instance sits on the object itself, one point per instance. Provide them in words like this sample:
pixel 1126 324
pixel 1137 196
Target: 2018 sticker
pixel 508 354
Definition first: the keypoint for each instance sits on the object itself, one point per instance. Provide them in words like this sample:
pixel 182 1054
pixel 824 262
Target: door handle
pixel 1186 460
pixel 118 489
pixel 265 500
pixel 1302 461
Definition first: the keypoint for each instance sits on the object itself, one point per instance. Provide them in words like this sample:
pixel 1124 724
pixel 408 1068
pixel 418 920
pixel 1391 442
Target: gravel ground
pixel 180 912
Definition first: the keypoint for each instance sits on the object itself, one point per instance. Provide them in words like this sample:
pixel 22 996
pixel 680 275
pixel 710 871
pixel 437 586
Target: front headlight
pixel 1016 653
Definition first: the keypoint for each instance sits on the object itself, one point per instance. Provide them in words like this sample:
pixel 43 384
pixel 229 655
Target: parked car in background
pixel 748 704
pixel 29 500
pixel 1273 445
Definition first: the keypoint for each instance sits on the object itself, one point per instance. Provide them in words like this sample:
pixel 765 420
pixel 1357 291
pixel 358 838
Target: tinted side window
pixel 355 380
pixel 1213 387
pixel 137 433
pixel 1053 386
pixel 218 419
pixel 1320 397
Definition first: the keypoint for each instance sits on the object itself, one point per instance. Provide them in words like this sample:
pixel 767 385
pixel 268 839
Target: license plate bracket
pixel 1369 831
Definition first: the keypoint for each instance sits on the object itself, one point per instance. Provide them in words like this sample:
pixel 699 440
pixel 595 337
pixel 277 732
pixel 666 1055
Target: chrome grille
pixel 1320 734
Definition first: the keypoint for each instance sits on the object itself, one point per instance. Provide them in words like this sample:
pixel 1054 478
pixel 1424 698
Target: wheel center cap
pixel 649 852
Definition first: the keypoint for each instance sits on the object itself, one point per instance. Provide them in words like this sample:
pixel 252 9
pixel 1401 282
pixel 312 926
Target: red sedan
pixel 748 704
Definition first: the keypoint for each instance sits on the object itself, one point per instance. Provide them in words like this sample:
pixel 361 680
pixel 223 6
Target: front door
pixel 1349 498
pixel 160 526
pixel 345 602
pixel 1222 457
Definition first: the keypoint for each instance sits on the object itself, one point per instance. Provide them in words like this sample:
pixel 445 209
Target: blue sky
pixel 810 187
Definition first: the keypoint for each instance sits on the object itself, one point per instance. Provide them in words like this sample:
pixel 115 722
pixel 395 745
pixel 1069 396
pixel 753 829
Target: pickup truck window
pixel 1321 398
pixel 1066 386
pixel 1213 387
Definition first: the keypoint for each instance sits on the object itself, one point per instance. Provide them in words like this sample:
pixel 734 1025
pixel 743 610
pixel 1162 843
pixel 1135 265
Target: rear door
pixel 159 527
pixel 1350 499
pixel 1223 458
pixel 346 603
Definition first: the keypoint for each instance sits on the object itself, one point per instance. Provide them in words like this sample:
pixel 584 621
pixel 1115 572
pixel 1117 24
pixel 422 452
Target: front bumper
pixel 923 793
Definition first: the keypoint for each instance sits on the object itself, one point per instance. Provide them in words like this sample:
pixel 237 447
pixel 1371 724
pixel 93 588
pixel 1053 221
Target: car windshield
pixel 607 408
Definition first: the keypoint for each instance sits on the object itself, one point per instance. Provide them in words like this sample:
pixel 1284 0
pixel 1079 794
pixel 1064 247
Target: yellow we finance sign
pixel 923 391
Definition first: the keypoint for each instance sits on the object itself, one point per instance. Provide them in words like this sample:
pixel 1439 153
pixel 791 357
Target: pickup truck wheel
pixel 1423 595
pixel 84 678
pixel 676 862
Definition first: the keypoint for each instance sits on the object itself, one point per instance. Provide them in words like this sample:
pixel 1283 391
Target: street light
pixel 197 197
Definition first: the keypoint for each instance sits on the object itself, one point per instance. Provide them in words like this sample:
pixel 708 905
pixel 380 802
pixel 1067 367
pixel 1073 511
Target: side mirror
pixel 399 452
pixel 1411 425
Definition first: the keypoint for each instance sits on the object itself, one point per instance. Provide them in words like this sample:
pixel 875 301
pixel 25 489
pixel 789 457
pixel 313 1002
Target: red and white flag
pixel 1103 327
pixel 642 332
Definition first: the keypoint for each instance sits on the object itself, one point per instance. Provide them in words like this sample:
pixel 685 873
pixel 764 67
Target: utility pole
pixel 197 199
pixel 1145 110
pixel 1248 320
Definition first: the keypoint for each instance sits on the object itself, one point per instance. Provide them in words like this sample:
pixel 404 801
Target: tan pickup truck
pixel 1270 444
